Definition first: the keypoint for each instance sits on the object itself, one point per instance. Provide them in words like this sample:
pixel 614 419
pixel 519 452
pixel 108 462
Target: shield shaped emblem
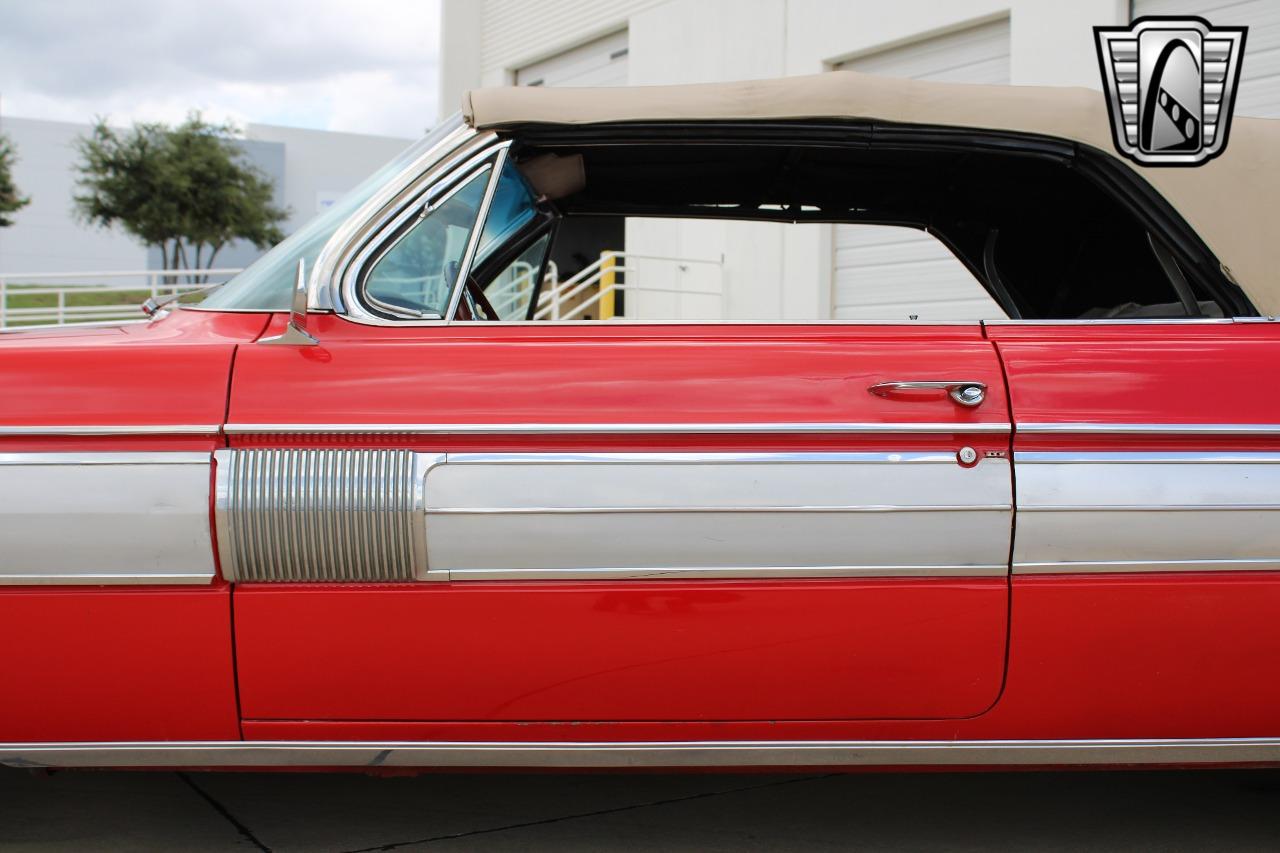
pixel 1171 87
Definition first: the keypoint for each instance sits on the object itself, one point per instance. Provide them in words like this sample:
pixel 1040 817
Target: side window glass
pixel 416 275
pixel 511 291
pixel 512 208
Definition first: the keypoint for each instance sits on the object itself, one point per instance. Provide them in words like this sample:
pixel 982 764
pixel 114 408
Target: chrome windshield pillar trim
pixel 111 430
pixel 613 428
pixel 324 284
pixel 633 754
pixel 354 256
pixel 1147 429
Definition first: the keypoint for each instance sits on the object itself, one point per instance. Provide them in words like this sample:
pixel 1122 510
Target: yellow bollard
pixel 608 278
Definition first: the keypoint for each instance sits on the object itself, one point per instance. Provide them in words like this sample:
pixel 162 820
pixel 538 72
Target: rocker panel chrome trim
pixel 631 754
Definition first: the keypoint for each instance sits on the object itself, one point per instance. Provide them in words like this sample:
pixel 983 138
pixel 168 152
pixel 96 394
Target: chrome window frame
pixel 402 225
pixel 336 278
pixel 351 253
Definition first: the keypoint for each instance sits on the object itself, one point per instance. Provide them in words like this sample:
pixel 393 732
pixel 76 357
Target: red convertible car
pixel 364 506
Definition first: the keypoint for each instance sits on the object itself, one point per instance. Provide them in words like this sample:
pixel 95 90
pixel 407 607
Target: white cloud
pixel 368 67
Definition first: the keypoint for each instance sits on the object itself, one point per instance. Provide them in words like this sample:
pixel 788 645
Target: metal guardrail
pixel 68 298
pixel 598 284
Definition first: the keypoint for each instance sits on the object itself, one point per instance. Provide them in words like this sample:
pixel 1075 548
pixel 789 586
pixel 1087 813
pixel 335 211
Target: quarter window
pixel 416 275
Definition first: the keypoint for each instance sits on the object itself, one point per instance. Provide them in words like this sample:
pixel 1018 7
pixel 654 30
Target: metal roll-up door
pixel 1259 90
pixel 602 62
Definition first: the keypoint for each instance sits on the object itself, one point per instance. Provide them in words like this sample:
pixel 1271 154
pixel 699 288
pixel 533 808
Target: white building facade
pixel 309 168
pixel 816 271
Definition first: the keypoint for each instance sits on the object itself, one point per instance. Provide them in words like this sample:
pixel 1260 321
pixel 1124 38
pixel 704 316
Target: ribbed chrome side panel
pixel 320 515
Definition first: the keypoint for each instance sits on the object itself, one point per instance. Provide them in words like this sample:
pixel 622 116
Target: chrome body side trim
pixel 105 518
pixel 1071 567
pixel 105 458
pixel 136 429
pixel 320 514
pixel 613 428
pixel 634 515
pixel 1148 429
pixel 1155 457
pixel 728 572
pixel 634 754
pixel 1147 512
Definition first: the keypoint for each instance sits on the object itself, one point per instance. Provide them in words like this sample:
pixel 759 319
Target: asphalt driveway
pixel 1169 810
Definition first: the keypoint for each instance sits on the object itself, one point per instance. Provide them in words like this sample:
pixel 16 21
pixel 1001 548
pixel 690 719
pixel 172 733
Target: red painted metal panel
pixel 1157 373
pixel 611 374
pixel 1105 656
pixel 103 664
pixel 172 371
pixel 601 650
pixel 695 649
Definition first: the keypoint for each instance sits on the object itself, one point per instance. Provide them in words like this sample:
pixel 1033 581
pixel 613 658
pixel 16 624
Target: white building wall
pixel 774 270
pixel 45 236
pixel 320 165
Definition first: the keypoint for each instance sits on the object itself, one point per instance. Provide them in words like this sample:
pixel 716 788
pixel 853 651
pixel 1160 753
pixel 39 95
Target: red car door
pixel 1146 563
pixel 481 522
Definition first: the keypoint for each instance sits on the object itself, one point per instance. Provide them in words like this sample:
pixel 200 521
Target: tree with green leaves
pixel 10 201
pixel 186 190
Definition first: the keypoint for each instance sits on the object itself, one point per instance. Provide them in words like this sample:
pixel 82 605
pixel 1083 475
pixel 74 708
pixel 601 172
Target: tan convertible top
pixel 1233 202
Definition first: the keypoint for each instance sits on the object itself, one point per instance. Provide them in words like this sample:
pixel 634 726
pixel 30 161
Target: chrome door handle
pixel 964 393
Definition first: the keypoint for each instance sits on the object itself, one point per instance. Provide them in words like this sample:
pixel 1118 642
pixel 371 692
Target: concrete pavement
pixel 1171 810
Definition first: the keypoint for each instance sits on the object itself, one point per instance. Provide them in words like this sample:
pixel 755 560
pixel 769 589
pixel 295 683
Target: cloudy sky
pixel 364 67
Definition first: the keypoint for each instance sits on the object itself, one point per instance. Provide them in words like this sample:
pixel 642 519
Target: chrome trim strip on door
pixel 626 754
pixel 138 429
pixel 612 510
pixel 104 578
pixel 1147 512
pixel 1146 566
pixel 611 428
pixel 801 457
pixel 105 518
pixel 1151 429
pixel 1131 457
pixel 577 516
pixel 730 573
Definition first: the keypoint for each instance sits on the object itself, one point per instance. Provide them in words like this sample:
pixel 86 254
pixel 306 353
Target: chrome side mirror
pixel 296 334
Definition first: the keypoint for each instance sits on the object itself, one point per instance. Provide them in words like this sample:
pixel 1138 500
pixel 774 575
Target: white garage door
pixel 1259 93
pixel 602 62
pixel 900 273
